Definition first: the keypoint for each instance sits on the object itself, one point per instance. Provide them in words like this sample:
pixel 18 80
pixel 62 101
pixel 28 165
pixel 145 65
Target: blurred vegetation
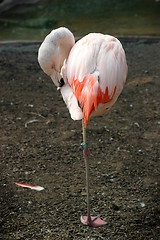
pixel 117 17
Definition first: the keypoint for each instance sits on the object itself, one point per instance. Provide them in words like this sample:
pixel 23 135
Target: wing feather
pixel 96 72
pixel 102 54
pixel 82 59
pixel 112 66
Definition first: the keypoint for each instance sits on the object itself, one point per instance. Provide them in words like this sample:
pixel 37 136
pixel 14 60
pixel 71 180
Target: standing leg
pixel 88 220
pixel 86 154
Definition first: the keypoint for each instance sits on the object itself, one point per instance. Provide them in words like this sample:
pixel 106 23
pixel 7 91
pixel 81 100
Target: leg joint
pixel 84 145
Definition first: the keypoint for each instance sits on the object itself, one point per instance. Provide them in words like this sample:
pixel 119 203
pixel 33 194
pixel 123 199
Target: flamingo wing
pixel 96 72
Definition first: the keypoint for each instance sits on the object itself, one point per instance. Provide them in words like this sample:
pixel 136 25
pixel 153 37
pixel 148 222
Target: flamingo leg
pixel 88 220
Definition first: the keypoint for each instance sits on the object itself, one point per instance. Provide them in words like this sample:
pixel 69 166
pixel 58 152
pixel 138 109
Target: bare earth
pixel 40 145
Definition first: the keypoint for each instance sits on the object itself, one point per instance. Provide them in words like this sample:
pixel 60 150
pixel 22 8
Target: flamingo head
pixel 54 52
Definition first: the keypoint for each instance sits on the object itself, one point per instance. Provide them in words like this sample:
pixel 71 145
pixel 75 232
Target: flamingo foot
pixel 94 222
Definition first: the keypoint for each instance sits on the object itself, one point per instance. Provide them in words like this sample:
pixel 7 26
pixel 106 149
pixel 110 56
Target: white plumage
pixel 95 56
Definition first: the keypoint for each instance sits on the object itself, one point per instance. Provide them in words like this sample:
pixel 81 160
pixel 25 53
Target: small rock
pixel 142 204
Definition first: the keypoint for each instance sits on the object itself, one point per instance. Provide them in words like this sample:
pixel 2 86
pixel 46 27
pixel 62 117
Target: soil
pixel 41 145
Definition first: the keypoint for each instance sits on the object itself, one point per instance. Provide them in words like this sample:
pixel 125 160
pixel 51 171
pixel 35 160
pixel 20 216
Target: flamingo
pixel 90 75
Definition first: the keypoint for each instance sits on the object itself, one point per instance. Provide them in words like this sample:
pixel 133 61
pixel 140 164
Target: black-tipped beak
pixel 61 82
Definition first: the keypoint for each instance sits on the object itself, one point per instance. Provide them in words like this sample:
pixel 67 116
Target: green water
pixel 126 17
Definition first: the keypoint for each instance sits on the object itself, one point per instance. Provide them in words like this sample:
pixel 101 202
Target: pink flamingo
pixel 90 75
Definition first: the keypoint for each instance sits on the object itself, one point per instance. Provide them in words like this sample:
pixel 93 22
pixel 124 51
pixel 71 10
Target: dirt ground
pixel 40 145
